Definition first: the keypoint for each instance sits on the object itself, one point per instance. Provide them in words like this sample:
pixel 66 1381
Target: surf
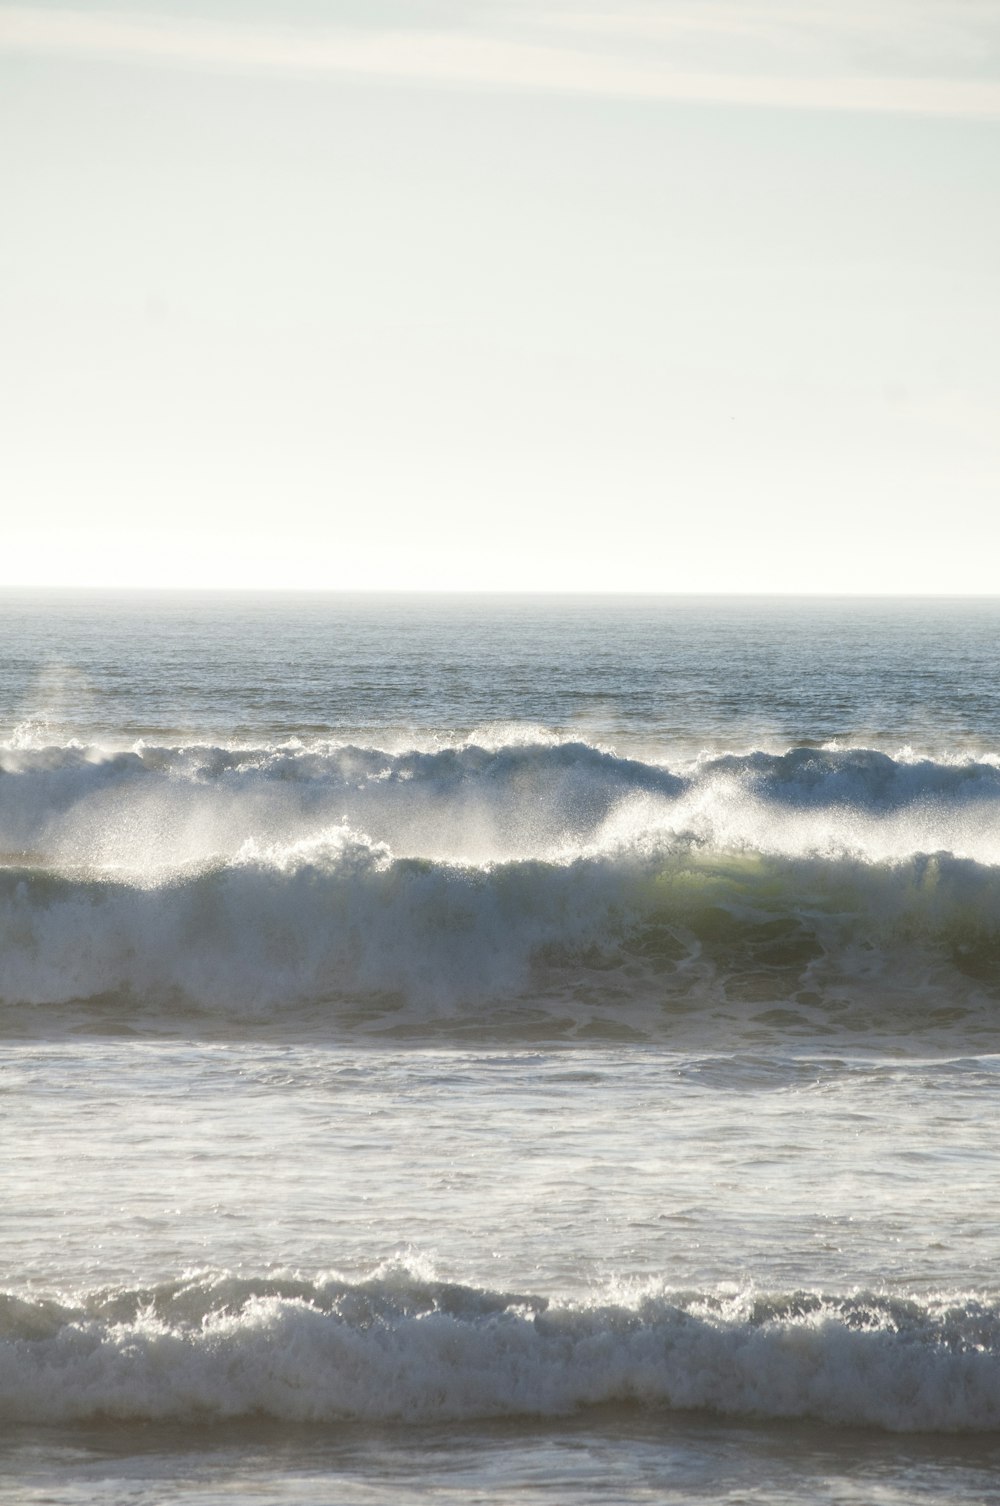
pixel 403 1347
pixel 459 883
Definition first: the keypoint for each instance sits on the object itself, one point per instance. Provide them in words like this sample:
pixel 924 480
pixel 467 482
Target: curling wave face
pixel 249 880
pixel 404 1346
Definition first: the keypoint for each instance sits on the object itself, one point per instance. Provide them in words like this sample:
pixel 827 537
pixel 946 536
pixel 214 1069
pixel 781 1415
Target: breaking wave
pixel 249 880
pixel 399 1347
pixel 150 808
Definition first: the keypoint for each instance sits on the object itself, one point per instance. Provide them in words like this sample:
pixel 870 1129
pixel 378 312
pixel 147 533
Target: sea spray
pixel 244 881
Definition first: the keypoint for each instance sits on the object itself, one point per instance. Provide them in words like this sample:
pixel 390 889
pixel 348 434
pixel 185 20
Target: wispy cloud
pixel 920 38
pixel 716 52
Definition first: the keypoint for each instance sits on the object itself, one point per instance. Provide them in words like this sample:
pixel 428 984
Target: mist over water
pixel 452 1013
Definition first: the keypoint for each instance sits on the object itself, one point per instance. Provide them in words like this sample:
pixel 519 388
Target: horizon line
pixel 473 592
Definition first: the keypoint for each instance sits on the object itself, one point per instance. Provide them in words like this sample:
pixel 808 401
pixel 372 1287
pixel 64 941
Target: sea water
pixel 467 1049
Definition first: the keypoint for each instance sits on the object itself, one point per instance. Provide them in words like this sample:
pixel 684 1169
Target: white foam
pixel 402 1348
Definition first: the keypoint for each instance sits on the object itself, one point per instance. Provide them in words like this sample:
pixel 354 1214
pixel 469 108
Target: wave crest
pixel 152 808
pixel 244 881
pixel 406 1348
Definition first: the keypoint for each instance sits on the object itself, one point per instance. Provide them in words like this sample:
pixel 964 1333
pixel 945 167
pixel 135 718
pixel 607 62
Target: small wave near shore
pixel 402 1346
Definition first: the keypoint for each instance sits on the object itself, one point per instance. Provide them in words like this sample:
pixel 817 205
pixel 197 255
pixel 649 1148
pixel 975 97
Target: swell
pixel 248 882
pixel 401 1348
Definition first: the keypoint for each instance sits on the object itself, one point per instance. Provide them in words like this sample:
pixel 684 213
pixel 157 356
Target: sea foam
pixel 401 1348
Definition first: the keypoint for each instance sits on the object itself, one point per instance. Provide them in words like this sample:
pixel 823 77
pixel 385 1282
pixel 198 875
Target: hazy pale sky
pixel 697 295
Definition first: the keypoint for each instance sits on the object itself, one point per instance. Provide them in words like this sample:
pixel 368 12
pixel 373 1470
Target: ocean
pixel 466 1049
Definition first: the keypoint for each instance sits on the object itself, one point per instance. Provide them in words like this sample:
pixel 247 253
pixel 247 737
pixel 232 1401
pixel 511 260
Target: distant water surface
pixel 687 672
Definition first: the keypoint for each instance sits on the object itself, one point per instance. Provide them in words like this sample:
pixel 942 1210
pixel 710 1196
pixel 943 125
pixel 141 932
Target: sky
pixel 659 295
